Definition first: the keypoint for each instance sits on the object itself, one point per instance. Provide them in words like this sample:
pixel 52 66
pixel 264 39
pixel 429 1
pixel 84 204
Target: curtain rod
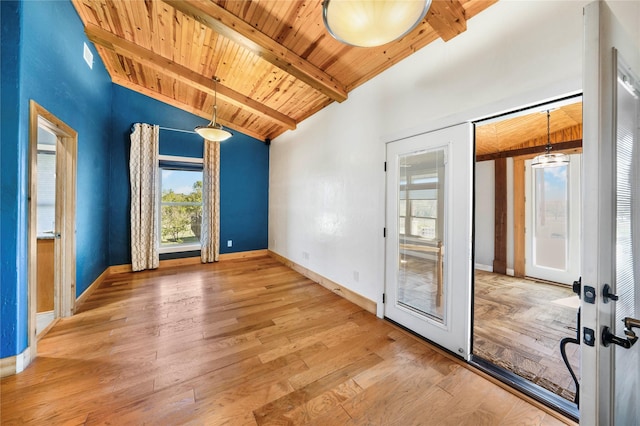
pixel 177 130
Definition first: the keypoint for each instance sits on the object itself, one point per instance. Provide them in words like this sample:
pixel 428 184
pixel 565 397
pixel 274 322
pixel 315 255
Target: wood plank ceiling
pixel 276 62
pixel 527 133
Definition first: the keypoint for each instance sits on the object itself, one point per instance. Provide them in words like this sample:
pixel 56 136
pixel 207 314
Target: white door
pixel 428 245
pixel 552 211
pixel 610 387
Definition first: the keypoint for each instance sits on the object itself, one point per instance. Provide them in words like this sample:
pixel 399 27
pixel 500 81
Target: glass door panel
pixel 553 221
pixel 420 270
pixel 551 218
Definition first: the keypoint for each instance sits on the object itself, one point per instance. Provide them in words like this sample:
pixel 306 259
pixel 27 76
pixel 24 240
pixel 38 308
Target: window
pixel 46 175
pixel 180 204
pixel 420 198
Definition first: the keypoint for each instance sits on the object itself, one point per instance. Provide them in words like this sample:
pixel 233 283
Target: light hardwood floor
pixel 244 342
pixel 518 326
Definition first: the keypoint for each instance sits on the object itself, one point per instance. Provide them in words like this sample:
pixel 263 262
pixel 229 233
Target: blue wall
pixel 13 268
pixel 244 173
pixel 52 72
pixel 47 66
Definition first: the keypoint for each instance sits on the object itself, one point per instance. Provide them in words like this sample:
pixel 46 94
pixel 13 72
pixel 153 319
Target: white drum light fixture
pixel 548 159
pixel 214 131
pixel 369 23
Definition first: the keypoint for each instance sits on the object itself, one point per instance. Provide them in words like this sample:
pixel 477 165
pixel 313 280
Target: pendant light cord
pixel 215 99
pixel 548 148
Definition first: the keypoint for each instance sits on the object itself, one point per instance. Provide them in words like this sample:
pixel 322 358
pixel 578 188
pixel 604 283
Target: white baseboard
pixel 15 364
pixel 43 321
pixel 489 268
pixel 481 267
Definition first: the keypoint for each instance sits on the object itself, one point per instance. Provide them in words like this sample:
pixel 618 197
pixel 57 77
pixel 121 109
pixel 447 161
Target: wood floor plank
pixel 528 343
pixel 244 341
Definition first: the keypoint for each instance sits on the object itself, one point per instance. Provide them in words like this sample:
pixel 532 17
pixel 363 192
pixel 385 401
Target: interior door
pixel 552 209
pixel 611 248
pixel 428 245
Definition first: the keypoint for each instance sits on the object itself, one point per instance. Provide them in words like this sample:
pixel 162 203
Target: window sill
pixel 179 248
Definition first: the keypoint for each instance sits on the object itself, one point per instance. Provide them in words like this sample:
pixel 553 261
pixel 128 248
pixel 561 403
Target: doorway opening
pixel 52 205
pixel 527 249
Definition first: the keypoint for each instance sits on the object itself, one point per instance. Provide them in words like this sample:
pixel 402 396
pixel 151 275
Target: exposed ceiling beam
pixel 447 18
pixel 557 147
pixel 235 29
pixel 170 101
pixel 183 74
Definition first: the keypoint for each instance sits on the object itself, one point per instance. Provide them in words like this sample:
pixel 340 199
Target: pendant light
pixel 369 23
pixel 214 131
pixel 548 159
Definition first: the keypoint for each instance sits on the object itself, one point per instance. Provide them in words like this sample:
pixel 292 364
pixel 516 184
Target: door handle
pixel 630 336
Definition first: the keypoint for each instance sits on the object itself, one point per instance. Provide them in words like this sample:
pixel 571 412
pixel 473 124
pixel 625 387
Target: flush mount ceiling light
pixel 214 131
pixel 548 159
pixel 369 23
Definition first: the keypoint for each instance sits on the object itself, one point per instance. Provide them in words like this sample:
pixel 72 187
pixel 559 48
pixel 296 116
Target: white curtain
pixel 143 169
pixel 210 231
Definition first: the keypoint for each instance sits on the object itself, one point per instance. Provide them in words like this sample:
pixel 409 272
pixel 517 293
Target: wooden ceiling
pixel 527 133
pixel 276 62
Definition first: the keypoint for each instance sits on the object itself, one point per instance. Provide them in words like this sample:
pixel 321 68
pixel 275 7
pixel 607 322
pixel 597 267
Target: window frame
pixel 179 163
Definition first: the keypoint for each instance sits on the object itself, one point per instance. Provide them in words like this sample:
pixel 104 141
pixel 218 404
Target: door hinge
pixel 384 232
pixel 384 298
pixel 385 166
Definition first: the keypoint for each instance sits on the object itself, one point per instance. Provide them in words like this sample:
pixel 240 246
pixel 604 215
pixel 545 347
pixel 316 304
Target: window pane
pixel 46 209
pixel 425 228
pixel 181 224
pixel 424 208
pixel 420 283
pixel 551 217
pixel 181 207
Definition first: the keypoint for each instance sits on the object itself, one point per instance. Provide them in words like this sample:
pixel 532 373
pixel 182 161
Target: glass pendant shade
pixel 548 159
pixel 214 131
pixel 369 23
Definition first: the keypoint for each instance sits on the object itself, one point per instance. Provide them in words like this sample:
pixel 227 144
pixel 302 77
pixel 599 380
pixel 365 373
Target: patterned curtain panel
pixel 143 168
pixel 210 234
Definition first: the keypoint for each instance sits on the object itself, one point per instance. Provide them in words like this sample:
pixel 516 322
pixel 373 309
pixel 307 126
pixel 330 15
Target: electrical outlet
pixel 356 276
pixel 305 255
pixel 229 243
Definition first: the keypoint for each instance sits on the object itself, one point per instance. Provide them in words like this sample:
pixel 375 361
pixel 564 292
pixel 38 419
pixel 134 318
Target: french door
pixel 553 221
pixel 611 216
pixel 428 245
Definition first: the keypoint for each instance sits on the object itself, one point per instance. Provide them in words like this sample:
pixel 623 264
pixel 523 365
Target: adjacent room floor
pixel 242 342
pixel 518 325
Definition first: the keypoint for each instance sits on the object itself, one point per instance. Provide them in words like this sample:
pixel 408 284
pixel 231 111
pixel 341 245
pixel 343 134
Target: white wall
pixel 326 201
pixel 485 214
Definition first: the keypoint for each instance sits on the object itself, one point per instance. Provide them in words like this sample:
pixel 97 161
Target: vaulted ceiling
pixel 526 132
pixel 276 62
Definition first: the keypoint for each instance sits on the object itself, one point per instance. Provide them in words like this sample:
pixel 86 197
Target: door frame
pixel 65 217
pixel 455 335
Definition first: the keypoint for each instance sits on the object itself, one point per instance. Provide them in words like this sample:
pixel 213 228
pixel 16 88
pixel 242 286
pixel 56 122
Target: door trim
pixel 65 247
